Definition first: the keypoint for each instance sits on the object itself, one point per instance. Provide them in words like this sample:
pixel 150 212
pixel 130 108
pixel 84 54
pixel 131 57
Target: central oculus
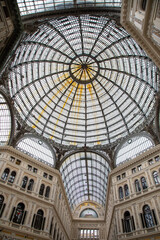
pixel 84 69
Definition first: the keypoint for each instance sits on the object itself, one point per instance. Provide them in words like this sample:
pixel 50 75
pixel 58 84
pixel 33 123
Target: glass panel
pixel 83 81
pixel 81 185
pixel 133 147
pixel 36 148
pixel 35 6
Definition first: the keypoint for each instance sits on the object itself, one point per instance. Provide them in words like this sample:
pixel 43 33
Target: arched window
pixel 127 221
pixel 5 174
pixel 156 177
pixel 133 147
pixel 147 217
pixel 88 212
pixel 137 185
pixel 30 185
pixel 18 214
pixel 38 220
pixel 2 205
pixel 24 182
pixel 37 148
pixel 144 183
pixel 120 193
pixel 41 190
pixel 126 190
pixel 12 177
pixel 47 192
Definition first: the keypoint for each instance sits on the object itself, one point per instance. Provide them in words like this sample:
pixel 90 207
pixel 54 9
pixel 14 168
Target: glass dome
pixel 82 81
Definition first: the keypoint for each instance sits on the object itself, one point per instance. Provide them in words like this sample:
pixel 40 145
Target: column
pixel 132 191
pixel 150 178
pixel 48 219
pixel 155 208
pixel 114 193
pixel 137 212
pixel 2 166
pixel 118 222
pixel 135 216
pixel 19 177
pixel 37 186
pixel 2 169
pixel 9 206
pixel 31 214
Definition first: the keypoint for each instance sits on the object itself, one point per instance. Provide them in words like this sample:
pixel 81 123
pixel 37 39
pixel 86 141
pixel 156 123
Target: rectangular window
pixel 118 177
pixel 35 170
pixel 139 167
pixel 157 158
pixel 29 167
pixel 85 234
pixel 123 175
pixel 50 177
pixel 150 162
pixel 12 159
pixel 18 162
pixel 45 175
pixel 133 170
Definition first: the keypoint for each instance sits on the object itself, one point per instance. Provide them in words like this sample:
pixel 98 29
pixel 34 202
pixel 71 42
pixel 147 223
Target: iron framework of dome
pixel 82 81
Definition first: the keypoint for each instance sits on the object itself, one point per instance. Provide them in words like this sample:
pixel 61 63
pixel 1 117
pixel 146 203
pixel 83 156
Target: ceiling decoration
pixel 82 81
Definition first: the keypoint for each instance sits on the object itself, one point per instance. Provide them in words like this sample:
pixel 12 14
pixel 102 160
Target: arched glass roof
pixel 85 176
pixel 133 147
pixel 5 121
pixel 88 213
pixel 27 7
pixel 82 81
pixel 37 148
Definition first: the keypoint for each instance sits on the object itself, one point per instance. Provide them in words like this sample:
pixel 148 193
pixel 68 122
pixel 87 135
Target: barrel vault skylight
pixel 85 176
pixel 82 81
pixel 27 7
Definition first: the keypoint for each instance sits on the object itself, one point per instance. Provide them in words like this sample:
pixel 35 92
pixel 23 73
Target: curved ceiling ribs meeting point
pixel 78 87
